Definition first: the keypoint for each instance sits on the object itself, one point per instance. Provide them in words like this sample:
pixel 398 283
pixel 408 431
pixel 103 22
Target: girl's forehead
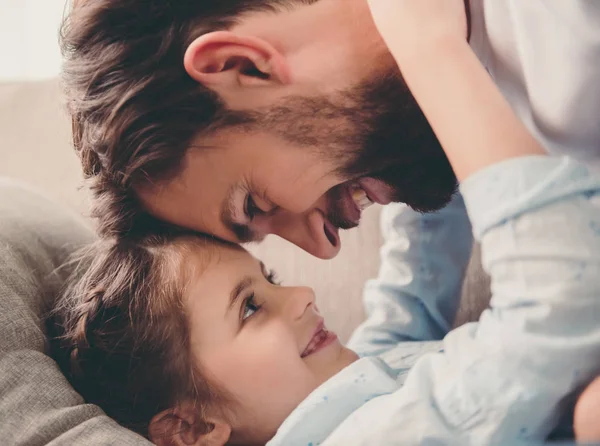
pixel 207 251
pixel 219 262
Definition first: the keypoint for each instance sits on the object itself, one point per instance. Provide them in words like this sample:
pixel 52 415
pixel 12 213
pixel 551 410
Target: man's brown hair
pixel 134 108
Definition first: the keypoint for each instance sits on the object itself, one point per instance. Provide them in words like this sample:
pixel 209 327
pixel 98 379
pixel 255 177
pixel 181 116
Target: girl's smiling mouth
pixel 320 339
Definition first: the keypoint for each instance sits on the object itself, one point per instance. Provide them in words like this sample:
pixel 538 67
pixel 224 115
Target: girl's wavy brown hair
pixel 135 110
pixel 121 331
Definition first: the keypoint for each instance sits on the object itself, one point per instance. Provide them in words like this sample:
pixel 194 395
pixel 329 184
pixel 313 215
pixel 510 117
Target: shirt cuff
pixel 510 188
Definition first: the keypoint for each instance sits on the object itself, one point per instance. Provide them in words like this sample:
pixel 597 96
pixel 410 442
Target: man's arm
pixel 416 294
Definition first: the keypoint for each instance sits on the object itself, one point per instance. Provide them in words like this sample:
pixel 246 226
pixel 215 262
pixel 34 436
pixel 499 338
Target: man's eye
pixel 272 278
pixel 251 209
pixel 250 308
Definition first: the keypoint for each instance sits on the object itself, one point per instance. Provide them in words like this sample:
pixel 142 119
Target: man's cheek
pixel 300 191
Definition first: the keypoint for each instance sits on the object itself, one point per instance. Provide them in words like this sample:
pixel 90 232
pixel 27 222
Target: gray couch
pixel 38 232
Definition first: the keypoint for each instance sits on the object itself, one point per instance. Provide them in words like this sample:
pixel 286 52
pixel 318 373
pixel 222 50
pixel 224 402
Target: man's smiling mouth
pixel 361 198
pixel 350 199
pixel 347 202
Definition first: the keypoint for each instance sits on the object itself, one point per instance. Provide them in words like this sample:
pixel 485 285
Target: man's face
pixel 305 167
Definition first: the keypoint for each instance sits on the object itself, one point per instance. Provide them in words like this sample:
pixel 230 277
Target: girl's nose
pixel 300 301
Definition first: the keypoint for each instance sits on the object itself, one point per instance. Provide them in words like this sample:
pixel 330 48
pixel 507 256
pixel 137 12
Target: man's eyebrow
pixel 242 231
pixel 237 291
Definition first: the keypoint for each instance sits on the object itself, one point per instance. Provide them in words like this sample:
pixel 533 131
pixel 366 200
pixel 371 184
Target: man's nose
pixel 307 231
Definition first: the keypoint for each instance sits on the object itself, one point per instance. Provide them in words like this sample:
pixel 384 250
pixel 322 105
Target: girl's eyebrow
pixel 238 290
pixel 241 286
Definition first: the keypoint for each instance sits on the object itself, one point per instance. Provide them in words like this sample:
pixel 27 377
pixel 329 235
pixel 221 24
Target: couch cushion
pixel 37 404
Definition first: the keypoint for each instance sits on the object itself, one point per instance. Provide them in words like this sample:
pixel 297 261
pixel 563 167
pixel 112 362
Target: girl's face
pixel 263 344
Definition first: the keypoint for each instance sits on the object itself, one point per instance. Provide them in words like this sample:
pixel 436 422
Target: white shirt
pixel 544 55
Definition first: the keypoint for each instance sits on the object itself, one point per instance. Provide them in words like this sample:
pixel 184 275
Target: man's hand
pixel 409 26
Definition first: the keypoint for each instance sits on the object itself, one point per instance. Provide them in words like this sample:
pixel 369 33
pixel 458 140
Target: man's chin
pixel 426 204
pixel 345 214
pixel 425 184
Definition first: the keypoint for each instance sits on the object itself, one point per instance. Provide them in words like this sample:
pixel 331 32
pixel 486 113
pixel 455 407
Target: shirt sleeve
pixel 506 379
pixel 417 292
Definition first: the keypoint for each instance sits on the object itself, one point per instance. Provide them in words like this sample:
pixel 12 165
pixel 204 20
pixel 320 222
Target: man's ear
pixel 182 426
pixel 224 60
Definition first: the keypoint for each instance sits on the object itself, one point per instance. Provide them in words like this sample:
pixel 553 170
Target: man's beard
pixel 399 146
pixel 375 129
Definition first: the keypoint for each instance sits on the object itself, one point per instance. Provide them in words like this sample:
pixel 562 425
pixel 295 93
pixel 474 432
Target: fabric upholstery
pixel 37 404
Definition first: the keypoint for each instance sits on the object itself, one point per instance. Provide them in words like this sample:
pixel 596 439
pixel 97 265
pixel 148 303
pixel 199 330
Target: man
pixel 242 118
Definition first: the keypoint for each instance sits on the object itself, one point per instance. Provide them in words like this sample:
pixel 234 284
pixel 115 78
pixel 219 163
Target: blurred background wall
pixel 29 39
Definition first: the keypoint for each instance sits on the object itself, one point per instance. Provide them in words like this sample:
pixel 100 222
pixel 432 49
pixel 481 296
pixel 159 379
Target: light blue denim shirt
pixel 506 379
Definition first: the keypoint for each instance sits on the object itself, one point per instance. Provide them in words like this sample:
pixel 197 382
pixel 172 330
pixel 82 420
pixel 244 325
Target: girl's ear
pixel 182 427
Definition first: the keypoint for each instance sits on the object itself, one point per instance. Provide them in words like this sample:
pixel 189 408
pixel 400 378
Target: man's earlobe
pixel 181 427
pixel 223 59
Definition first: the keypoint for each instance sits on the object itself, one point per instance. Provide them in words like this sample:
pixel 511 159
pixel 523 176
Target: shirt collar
pixel 332 402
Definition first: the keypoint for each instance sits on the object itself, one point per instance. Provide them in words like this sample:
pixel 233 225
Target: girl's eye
pixel 251 209
pixel 250 308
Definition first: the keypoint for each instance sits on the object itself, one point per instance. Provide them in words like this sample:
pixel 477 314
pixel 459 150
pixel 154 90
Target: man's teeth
pixel 361 198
